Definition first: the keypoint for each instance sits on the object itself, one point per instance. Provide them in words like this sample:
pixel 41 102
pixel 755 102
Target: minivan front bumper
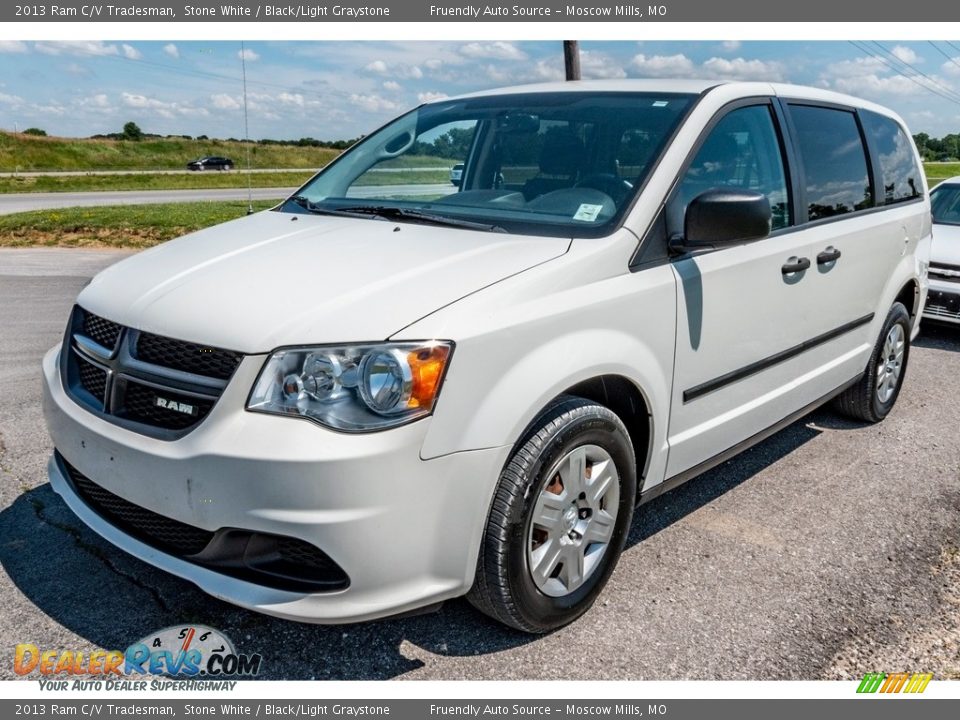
pixel 405 531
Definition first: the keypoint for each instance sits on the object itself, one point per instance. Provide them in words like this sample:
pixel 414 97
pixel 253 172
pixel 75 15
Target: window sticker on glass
pixel 661 103
pixel 588 212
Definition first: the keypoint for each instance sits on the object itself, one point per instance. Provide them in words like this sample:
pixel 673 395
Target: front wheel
pixel 875 394
pixel 559 520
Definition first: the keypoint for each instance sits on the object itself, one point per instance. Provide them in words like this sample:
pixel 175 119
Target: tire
pixel 538 577
pixel 228 167
pixel 875 394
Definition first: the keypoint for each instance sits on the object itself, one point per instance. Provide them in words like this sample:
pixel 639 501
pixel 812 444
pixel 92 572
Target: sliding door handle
pixel 831 254
pixel 795 265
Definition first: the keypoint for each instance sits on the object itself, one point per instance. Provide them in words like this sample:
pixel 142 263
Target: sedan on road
pixel 211 162
pixel 943 300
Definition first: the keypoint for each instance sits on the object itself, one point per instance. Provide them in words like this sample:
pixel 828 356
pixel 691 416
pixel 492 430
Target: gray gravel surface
pixel 828 551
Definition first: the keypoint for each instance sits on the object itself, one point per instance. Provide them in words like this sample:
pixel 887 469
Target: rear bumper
pixel 406 531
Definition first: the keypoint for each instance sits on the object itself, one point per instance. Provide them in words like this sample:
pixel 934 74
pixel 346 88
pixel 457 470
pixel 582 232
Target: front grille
pixel 145 525
pixel 101 331
pixel 188 357
pixel 154 385
pixel 140 404
pixel 277 561
pixel 945 271
pixel 93 379
pixel 942 305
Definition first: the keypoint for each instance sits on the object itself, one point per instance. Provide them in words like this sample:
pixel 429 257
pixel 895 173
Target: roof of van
pixel 691 86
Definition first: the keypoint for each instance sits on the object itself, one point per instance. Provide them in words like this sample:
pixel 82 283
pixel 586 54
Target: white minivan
pixel 389 391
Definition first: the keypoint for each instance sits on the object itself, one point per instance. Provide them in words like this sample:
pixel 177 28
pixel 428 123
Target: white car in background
pixel 943 299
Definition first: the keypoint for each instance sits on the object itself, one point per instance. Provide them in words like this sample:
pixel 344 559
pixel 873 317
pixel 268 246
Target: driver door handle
pixel 795 265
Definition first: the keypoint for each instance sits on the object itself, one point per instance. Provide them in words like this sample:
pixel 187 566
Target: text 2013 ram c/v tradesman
pixel 376 397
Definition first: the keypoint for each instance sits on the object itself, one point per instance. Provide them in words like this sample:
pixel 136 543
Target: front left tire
pixel 559 520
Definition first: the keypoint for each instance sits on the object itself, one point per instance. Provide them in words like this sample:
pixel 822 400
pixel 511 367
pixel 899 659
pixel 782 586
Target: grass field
pixel 25 153
pixel 940 171
pixel 121 226
pixel 28 153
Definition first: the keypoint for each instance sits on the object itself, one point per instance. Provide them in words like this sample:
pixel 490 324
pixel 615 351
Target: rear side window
pixel 834 159
pixel 899 171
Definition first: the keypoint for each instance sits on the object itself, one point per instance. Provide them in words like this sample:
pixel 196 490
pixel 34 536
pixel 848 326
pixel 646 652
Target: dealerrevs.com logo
pixel 195 655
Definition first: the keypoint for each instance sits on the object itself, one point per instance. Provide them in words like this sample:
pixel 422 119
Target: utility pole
pixel 571 59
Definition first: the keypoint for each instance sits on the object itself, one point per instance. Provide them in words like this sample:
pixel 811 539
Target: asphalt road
pixel 22 202
pixel 827 551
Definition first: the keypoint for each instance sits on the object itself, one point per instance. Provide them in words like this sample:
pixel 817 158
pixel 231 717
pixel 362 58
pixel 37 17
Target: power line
pixel 871 54
pixel 953 60
pixel 935 82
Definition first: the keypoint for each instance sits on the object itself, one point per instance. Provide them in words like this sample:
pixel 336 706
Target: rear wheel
pixel 875 394
pixel 559 519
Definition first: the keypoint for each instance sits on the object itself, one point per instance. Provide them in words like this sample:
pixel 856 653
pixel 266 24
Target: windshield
pixel 563 164
pixel 945 204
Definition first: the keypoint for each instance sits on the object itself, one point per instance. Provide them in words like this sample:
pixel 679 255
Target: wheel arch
pixel 909 295
pixel 626 400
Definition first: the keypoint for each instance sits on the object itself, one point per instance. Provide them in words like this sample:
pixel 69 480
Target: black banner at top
pixel 526 11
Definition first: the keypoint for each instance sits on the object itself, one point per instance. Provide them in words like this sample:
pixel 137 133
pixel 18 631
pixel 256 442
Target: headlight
pixel 354 388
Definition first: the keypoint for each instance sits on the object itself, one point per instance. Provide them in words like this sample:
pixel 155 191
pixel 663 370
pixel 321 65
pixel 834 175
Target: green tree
pixel 35 131
pixel 132 131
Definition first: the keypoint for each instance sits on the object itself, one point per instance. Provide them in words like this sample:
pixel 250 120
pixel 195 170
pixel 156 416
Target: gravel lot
pixel 828 551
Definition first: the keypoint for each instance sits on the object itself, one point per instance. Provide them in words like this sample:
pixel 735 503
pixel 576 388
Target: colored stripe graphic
pixel 894 682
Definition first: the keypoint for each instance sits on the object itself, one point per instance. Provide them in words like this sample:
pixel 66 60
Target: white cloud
pixel 372 102
pixel 222 101
pixel 85 48
pixel 286 98
pixel 742 69
pixel 7 99
pixel 867 76
pixel 433 64
pixel 426 97
pixel 247 54
pixel 160 107
pixel 662 65
pixel 130 52
pixel 498 50
pixel 732 45
pixel 12 46
pixel 379 67
pixel 547 70
pixel 171 50
pixel 598 65
pixel 951 67
pixel 391 85
pixel 98 101
pixel 905 54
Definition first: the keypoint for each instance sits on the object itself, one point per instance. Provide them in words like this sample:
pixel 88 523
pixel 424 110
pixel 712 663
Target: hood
pixel 946 244
pixel 275 279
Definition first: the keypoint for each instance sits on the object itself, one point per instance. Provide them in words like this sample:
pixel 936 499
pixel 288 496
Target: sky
pixel 340 90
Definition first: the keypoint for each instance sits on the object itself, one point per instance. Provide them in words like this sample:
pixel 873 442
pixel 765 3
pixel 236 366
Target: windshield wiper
pixel 418 216
pixel 310 206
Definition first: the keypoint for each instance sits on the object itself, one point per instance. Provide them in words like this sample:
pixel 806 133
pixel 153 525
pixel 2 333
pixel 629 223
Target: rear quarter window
pixel 899 170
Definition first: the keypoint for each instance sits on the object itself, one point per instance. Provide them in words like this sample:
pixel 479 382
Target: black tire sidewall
pixel 536 607
pixel 898 314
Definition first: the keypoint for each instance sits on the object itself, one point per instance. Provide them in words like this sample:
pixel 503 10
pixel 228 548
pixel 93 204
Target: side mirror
pixel 725 217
